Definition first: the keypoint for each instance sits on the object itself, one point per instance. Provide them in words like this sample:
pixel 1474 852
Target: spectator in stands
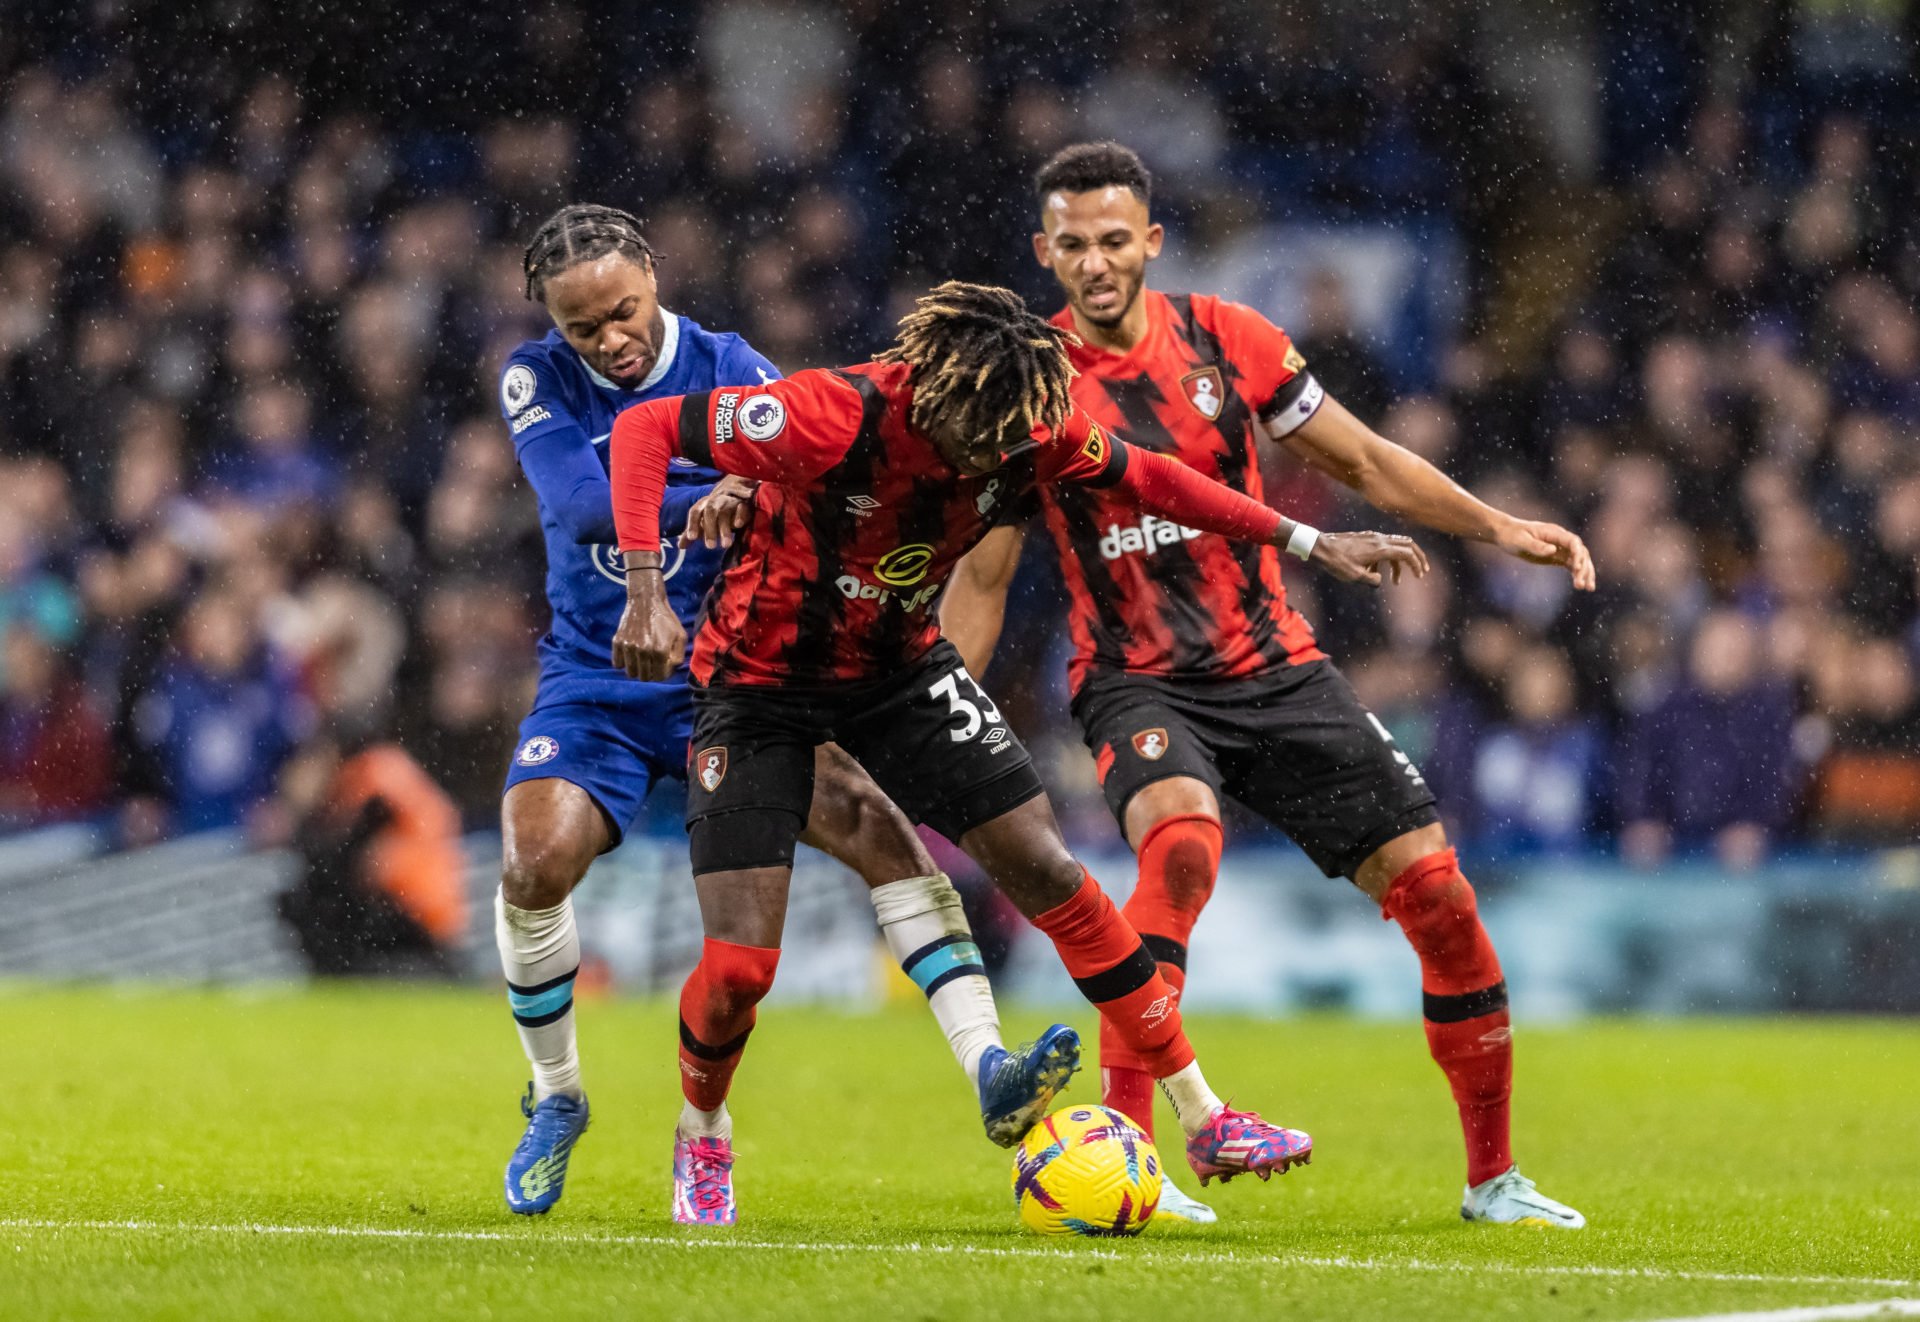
pixel 1867 714
pixel 1324 332
pixel 218 720
pixel 56 755
pixel 275 461
pixel 1537 775
pixel 1711 766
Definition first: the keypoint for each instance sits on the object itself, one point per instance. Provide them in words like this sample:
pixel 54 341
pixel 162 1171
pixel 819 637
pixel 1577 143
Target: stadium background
pixel 1651 271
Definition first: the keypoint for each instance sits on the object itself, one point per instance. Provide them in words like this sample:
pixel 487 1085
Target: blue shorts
pixel 612 750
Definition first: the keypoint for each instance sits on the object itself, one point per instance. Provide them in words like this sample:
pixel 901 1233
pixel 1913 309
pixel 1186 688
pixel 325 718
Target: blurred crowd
pixel 258 512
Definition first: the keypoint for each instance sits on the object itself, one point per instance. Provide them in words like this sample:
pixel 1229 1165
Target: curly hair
pixel 983 363
pixel 1086 166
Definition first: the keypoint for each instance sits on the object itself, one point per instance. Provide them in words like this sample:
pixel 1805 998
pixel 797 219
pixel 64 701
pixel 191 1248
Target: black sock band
pixel 1454 1009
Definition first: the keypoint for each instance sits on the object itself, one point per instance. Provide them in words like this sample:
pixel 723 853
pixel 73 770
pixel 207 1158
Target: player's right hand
pixel 721 513
pixel 650 643
pixel 1364 557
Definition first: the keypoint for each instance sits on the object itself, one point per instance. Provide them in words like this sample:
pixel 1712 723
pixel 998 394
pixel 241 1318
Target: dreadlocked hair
pixel 980 359
pixel 582 232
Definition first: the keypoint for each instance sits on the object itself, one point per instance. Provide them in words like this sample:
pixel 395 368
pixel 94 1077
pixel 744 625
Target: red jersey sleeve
pixel 1086 453
pixel 1083 452
pixel 790 431
pixel 1282 392
pixel 643 440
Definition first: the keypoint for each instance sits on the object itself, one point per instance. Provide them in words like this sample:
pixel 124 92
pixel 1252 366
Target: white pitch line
pixel 722 1239
pixel 1819 1313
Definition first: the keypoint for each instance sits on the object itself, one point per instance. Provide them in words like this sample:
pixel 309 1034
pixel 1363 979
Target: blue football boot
pixel 1017 1087
pixel 537 1170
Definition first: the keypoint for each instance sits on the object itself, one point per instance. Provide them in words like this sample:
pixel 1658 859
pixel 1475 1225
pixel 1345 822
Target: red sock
pixel 716 1014
pixel 1112 968
pixel 1468 1029
pixel 1179 861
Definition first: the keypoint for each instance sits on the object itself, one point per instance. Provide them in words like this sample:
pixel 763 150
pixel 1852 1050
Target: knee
pixel 738 977
pixel 1046 881
pixel 1435 903
pixel 1180 856
pixel 540 869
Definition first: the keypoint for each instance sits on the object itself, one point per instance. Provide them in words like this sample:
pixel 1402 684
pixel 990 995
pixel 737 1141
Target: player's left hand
pixel 1548 544
pixel 721 513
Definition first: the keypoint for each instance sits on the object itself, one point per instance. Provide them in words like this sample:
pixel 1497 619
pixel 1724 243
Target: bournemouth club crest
pixel 1151 744
pixel 711 766
pixel 1206 391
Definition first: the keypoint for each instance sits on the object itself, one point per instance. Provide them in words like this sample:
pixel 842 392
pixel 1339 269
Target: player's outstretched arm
pixel 1172 490
pixel 1401 483
pixel 975 604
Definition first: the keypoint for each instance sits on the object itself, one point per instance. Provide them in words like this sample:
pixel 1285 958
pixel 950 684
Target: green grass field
pixel 337 1154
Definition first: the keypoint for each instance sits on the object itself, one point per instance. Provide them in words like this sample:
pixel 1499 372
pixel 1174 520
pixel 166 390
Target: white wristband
pixel 1302 539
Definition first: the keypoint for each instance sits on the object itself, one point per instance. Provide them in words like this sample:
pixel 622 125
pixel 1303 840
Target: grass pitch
pixel 337 1154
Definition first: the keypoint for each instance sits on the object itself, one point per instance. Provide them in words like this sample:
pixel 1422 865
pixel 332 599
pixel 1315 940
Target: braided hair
pixel 581 232
pixel 983 363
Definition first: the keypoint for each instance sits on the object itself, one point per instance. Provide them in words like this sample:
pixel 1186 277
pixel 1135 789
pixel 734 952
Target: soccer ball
pixel 1086 1170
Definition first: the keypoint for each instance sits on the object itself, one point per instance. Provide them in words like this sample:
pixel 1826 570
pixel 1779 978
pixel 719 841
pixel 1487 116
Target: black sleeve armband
pixel 1292 404
pixel 694 443
pixel 1116 468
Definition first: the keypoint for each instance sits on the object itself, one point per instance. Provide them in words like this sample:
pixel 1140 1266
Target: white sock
pixel 1193 1102
pixel 926 929
pixel 540 951
pixel 695 1123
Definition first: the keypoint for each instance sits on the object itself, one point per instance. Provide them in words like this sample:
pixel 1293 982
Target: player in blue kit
pixel 596 741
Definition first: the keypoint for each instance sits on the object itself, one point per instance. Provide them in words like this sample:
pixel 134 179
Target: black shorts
pixel 930 738
pixel 1293 745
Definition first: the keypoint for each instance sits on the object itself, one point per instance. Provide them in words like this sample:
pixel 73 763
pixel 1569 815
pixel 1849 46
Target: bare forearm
pixel 974 626
pixel 1389 478
pixel 1401 483
pixel 975 604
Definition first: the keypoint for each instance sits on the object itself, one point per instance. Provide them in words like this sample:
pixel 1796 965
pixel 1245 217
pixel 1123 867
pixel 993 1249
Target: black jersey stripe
pixel 1235 428
pixel 1173 569
pixel 830 523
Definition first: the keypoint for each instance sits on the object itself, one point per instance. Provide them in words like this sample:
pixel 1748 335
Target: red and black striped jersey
pixel 856 526
pixel 1149 597
pixel 858 521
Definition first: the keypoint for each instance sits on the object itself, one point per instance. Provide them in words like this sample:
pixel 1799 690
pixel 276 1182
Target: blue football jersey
pixel 561 413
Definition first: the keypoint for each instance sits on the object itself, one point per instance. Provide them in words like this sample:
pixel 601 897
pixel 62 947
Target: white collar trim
pixel 669 347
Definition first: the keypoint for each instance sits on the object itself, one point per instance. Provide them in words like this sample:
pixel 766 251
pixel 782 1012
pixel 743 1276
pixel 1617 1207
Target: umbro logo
pixel 1157 1010
pixel 862 505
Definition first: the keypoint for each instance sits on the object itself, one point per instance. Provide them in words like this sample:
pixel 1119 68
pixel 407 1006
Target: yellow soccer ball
pixel 1086 1170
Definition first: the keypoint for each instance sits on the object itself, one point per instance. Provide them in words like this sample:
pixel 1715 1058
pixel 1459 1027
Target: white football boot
pixel 1176 1206
pixel 1510 1199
